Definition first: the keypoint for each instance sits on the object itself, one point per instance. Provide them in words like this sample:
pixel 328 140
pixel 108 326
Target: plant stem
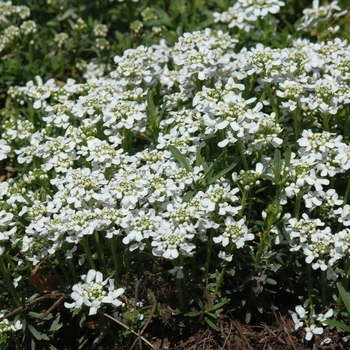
pixel 296 119
pixel 325 118
pixel 101 256
pixel 309 287
pixel 72 270
pixel 297 205
pixel 62 267
pixel 180 293
pixel 9 282
pixel 323 287
pixel 346 195
pixel 221 278
pixel 243 201
pixel 345 280
pixel 242 154
pixel 86 247
pixel 261 247
pixel 115 259
pixel 209 250
pixel 346 124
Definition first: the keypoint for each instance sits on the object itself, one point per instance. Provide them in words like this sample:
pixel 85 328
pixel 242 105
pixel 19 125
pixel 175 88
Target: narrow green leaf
pixel 180 158
pixel 271 281
pixel 345 296
pixel 187 196
pixel 150 109
pixel 192 314
pixel 287 158
pixel 198 301
pixel 337 324
pixel 219 305
pixel 56 325
pixel 200 161
pixel 222 173
pixel 37 334
pixel 211 324
pixel 277 165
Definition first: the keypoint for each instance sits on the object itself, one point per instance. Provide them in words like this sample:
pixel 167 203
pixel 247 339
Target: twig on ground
pixel 228 336
pixel 148 320
pixel 128 328
pixel 59 296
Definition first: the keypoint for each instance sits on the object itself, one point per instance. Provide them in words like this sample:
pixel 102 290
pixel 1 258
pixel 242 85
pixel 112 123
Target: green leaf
pixel 198 301
pixel 345 296
pixel 277 165
pixel 36 334
pixel 287 158
pixel 55 326
pixel 180 158
pixel 187 196
pixel 219 305
pixel 192 314
pixel 222 173
pixel 211 324
pixel 151 108
pixel 3 341
pixel 337 324
pixel 271 281
pixel 200 161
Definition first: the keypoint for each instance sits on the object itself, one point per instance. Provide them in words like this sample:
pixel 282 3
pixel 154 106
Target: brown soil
pixel 237 336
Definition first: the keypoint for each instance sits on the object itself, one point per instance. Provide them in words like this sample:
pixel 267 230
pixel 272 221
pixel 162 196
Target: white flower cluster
pixel 6 326
pixel 319 13
pixel 244 12
pixel 311 323
pixel 94 292
pixel 94 175
pixel 12 14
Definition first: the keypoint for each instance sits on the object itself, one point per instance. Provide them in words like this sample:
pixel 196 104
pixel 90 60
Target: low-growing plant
pixel 206 174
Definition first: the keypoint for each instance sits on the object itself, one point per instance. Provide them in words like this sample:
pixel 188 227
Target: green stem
pixel 345 280
pixel 58 276
pixel 30 53
pixel 309 287
pixel 242 154
pixel 61 56
pixel 9 282
pixel 346 124
pixel 323 287
pixel 243 202
pixel 180 293
pixel 297 205
pixel 346 195
pixel 115 258
pixel 272 101
pixel 62 267
pixel 209 250
pixel 86 247
pixel 325 118
pixel 221 278
pixel 72 270
pixel 296 122
pixel 261 247
pixel 101 256
pixel 127 264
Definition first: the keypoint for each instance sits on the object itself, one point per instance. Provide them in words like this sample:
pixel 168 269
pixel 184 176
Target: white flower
pixel 235 232
pixel 177 271
pixel 94 292
pixel 4 149
pixel 17 326
pixel 310 331
pixel 323 317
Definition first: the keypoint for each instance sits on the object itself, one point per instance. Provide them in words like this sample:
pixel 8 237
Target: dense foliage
pixel 176 157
